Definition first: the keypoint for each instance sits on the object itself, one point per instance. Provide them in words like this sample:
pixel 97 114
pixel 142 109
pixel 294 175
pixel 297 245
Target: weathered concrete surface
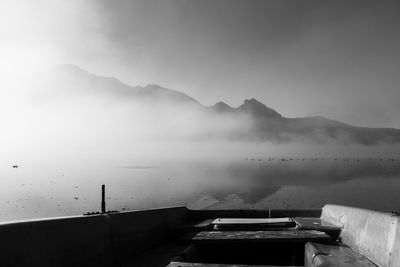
pixel 99 240
pixel 320 255
pixel 375 235
pixel 135 232
pixel 75 241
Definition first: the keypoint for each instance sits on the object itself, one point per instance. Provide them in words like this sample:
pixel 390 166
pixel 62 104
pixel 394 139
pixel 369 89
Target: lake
pixel 61 185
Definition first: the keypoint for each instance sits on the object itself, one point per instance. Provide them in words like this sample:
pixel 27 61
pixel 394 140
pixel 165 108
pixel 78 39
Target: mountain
pixel 72 79
pixel 258 109
pixel 221 107
pixel 266 123
pixel 270 125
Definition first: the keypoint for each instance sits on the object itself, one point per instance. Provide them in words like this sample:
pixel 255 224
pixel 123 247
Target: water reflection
pixel 38 190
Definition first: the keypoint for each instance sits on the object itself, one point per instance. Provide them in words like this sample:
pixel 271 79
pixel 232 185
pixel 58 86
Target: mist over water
pixel 71 185
pixel 151 154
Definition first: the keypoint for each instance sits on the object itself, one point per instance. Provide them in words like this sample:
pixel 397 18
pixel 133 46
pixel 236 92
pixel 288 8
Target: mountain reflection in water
pixel 260 182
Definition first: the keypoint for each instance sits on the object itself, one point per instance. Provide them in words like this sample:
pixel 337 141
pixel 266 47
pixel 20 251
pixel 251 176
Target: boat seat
pixel 318 255
pixel 307 223
pixel 289 236
pixel 376 235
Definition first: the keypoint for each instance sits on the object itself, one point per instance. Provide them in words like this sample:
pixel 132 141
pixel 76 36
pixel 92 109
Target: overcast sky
pixel 339 59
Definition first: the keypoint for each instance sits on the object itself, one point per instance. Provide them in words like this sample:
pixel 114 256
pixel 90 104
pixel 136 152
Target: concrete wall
pixel 134 232
pixel 100 240
pixel 75 241
pixel 376 235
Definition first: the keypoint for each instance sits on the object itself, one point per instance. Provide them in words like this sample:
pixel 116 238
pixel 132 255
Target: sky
pixel 339 59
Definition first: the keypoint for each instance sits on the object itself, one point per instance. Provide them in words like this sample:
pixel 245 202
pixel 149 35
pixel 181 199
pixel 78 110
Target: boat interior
pixel 179 237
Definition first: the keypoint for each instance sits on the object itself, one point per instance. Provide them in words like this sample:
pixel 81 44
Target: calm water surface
pixel 70 186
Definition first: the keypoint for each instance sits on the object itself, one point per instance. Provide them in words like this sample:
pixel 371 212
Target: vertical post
pixel 103 198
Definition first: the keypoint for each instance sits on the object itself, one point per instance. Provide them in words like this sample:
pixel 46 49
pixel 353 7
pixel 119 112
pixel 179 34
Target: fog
pixel 68 140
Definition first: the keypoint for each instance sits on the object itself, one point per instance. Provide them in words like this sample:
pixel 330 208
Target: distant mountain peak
pixel 222 104
pixel 222 107
pixel 257 108
pixel 253 101
pixel 69 68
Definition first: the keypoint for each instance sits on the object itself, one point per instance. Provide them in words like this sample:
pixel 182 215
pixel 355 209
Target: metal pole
pixel 103 198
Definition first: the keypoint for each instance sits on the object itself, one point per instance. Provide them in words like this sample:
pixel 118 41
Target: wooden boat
pixel 179 237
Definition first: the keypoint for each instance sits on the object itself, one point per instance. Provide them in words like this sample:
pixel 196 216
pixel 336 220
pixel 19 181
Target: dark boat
pixel 180 237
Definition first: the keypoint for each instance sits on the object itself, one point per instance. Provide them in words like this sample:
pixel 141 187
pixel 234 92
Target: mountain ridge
pixel 267 123
pixel 112 85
